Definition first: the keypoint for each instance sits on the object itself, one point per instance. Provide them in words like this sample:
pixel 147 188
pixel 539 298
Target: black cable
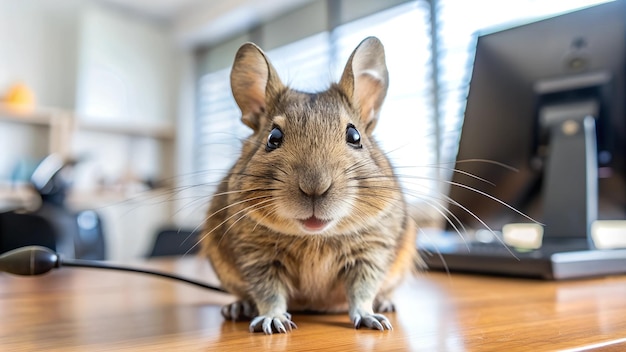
pixel 37 260
pixel 101 265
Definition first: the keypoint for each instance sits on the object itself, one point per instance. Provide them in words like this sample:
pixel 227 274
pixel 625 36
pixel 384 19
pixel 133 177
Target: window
pixel 304 64
pixel 218 128
pixel 421 119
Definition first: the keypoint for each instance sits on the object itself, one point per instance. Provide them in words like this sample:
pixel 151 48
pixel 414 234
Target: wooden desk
pixel 95 310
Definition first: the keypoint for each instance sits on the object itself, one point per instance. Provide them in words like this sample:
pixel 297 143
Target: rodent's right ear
pixel 365 80
pixel 254 83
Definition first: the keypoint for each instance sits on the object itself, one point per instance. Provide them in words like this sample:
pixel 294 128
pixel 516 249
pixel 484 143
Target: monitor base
pixel 568 262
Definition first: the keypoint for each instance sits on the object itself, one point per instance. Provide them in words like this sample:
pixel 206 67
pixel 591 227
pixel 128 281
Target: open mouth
pixel 314 224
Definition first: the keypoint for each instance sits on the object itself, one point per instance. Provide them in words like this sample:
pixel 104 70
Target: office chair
pixel 173 242
pixel 18 230
pixel 72 234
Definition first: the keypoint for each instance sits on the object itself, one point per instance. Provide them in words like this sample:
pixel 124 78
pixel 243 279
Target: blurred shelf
pixel 42 116
pixel 162 132
pixel 58 122
pixel 32 116
pixel 17 197
pixel 46 117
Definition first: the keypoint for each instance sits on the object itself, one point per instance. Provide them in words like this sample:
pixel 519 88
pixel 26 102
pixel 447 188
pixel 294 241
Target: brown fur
pixel 254 234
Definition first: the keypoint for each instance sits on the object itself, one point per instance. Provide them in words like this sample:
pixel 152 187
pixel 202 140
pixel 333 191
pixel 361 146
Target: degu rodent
pixel 311 216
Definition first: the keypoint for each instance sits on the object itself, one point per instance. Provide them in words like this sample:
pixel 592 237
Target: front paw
pixel 240 310
pixel 271 324
pixel 370 320
pixel 384 305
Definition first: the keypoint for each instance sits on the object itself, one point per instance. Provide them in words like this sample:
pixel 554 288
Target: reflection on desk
pixel 90 310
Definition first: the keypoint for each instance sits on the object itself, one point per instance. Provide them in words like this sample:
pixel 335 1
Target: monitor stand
pixel 570 206
pixel 570 189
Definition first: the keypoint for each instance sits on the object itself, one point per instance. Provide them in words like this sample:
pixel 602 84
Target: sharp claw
pixel 377 325
pixel 279 326
pixel 269 325
pixel 357 322
pixel 387 325
pixel 373 321
pixel 384 321
pixel 254 323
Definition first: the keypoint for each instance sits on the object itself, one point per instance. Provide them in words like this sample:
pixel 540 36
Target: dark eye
pixel 274 140
pixel 353 137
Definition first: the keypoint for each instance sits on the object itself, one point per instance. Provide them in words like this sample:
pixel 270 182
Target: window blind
pixel 304 64
pixel 218 131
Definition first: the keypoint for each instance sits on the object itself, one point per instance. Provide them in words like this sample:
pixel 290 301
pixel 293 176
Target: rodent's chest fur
pixel 311 267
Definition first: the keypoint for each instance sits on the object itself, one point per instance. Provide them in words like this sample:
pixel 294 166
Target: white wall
pixel 124 68
pixel 125 79
pixel 38 46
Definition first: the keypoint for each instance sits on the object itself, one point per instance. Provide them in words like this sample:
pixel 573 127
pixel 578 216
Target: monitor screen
pixel 523 79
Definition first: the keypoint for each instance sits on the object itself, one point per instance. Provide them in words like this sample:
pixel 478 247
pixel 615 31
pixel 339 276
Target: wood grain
pixel 92 310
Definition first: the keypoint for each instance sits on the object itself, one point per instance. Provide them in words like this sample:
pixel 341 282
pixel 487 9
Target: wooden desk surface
pixel 95 310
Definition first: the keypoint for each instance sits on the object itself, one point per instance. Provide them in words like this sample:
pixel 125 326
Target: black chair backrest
pixel 18 230
pixel 173 242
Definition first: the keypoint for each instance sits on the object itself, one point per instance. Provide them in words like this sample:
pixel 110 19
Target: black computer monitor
pixel 548 99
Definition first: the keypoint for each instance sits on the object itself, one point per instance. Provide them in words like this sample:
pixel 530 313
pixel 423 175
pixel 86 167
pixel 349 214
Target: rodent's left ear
pixel 254 83
pixel 365 80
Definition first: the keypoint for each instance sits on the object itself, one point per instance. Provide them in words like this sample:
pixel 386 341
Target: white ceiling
pixel 208 21
pixel 165 10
